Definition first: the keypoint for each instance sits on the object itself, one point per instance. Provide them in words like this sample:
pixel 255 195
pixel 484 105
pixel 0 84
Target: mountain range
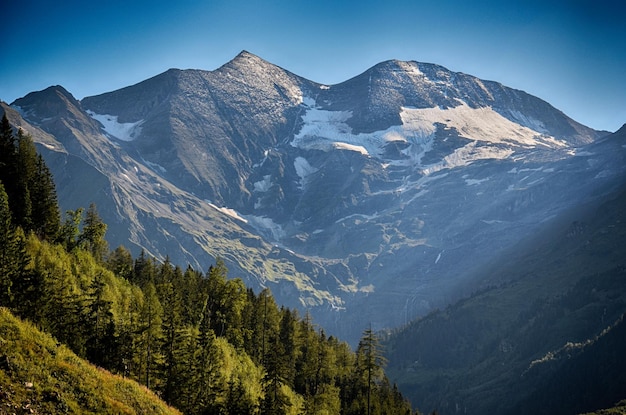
pixel 372 201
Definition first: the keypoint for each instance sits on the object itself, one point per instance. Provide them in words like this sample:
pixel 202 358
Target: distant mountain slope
pixel 543 335
pixel 372 200
pixel 38 376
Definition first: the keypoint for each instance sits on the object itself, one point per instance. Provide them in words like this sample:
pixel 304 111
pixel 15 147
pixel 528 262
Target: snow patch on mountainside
pixel 481 124
pixel 127 131
pixel 229 212
pixel 467 155
pixel 327 130
pixel 499 137
pixel 266 226
pixel 303 169
pixel 263 185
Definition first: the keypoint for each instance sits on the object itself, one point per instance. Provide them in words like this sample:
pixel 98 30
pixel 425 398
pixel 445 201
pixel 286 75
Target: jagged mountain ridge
pixel 375 195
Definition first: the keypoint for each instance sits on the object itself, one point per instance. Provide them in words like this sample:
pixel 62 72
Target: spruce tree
pixel 45 219
pixel 369 364
pixel 26 167
pixel 8 249
pixel 151 338
pixel 8 152
pixel 100 345
pixel 70 230
pixel 120 261
pixel 7 141
pixel 92 235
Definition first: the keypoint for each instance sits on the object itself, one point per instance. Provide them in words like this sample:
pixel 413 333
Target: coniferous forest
pixel 201 340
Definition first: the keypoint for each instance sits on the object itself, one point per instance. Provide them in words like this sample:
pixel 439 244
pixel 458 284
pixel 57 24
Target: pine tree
pixel 45 219
pixel 7 142
pixel 288 347
pixel 237 401
pixel 120 261
pixel 275 402
pixel 144 270
pixel 12 254
pixel 210 381
pixel 151 337
pixel 92 235
pixel 70 230
pixel 169 280
pixel 369 364
pixel 8 158
pixel 101 342
pixel 26 167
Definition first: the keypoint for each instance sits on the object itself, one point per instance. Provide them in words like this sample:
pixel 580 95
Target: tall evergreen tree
pixel 151 337
pixel 144 270
pixel 101 346
pixel 288 345
pixel 92 235
pixel 45 219
pixel 369 364
pixel 7 141
pixel 26 166
pixel 13 257
pixel 169 280
pixel 237 401
pixel 70 230
pixel 120 261
pixel 210 382
pixel 8 158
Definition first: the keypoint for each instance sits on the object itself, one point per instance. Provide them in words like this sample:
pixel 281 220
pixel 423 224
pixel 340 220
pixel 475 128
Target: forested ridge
pixel 202 341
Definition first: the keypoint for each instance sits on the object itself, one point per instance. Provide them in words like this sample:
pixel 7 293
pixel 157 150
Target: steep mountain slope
pixel 367 201
pixel 552 308
pixel 38 376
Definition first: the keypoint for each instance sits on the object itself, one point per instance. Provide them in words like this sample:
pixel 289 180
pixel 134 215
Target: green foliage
pixel 92 235
pixel 204 343
pixel 186 353
pixel 40 376
pixel 28 183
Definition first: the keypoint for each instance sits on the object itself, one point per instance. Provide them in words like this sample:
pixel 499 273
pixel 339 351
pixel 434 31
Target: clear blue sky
pixel 571 53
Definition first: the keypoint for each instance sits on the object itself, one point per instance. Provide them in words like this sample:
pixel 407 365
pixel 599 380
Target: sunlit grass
pixel 40 375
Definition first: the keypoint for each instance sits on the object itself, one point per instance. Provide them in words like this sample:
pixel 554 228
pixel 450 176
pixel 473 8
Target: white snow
pixel 263 185
pixel 303 169
pixel 230 212
pixel 265 154
pixel 267 225
pixel 351 147
pixel 480 124
pixel 466 155
pixel 410 68
pixel 48 146
pixel 122 131
pixel 328 130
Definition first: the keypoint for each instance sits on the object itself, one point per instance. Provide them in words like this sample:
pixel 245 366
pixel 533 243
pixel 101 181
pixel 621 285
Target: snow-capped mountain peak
pixel 371 198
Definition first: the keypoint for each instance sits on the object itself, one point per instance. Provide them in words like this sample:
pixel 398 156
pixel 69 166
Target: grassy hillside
pixel 39 376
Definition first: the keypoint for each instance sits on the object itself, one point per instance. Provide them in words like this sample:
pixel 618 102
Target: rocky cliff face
pixel 366 201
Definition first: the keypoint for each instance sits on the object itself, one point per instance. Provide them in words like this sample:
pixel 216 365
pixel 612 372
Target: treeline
pixel 203 341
